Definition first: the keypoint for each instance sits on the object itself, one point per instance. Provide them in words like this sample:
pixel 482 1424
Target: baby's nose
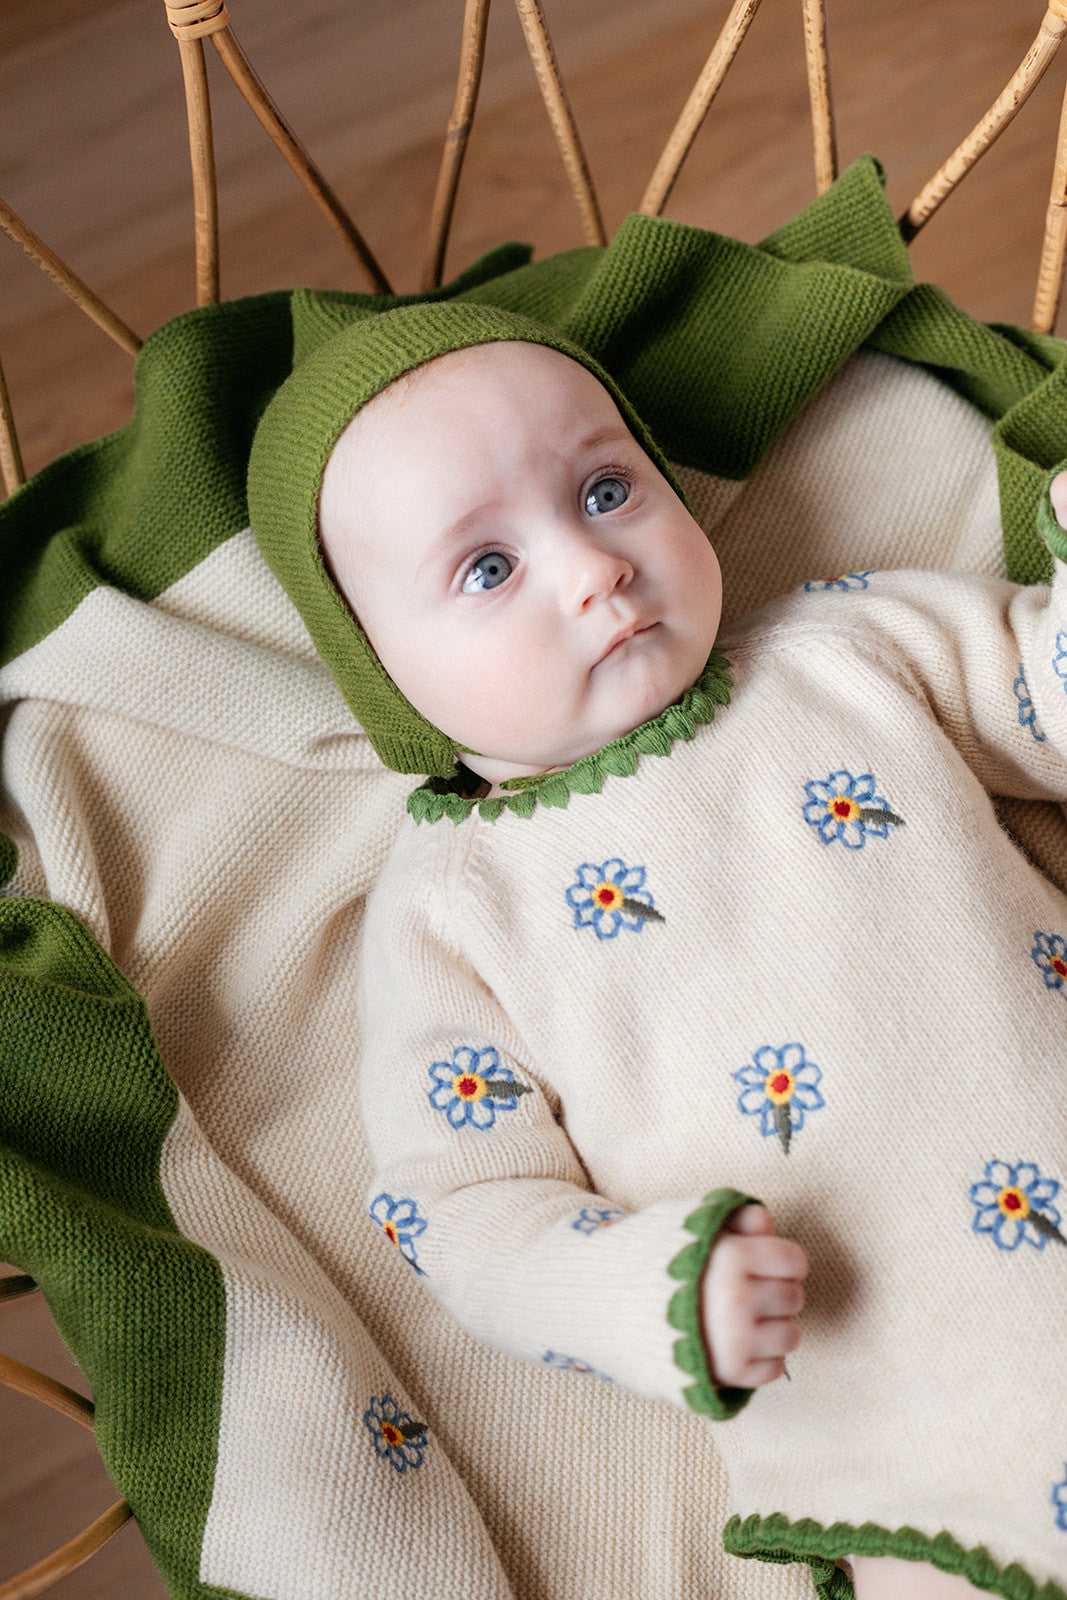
pixel 597 573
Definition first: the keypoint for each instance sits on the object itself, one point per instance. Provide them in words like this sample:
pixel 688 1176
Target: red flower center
pixel 606 895
pixel 1012 1202
pixel 842 808
pixel 391 1234
pixel 467 1088
pixel 391 1435
pixel 780 1082
pixel 1059 966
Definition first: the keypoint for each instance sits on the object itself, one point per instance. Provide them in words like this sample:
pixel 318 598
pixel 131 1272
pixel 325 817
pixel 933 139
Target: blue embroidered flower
pixel 473 1087
pixel 1059 660
pixel 611 896
pixel 1050 955
pixel 552 1358
pixel 1059 1500
pixel 847 808
pixel 399 1220
pixel 590 1219
pixel 1015 1203
pixel 396 1437
pixel 779 1088
pixel 845 582
pixel 1027 713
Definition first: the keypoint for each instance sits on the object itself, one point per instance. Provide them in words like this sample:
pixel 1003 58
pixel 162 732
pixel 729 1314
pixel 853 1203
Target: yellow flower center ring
pixel 1059 966
pixel 469 1087
pixel 780 1086
pixel 608 896
pixel 844 809
pixel 392 1435
pixel 1014 1204
pixel 391 1234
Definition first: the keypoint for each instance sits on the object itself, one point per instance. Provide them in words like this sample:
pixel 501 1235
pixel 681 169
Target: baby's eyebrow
pixel 455 536
pixel 611 433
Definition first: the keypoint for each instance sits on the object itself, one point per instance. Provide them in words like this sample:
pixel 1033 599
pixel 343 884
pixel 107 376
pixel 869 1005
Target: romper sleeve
pixel 479 1188
pixel 990 660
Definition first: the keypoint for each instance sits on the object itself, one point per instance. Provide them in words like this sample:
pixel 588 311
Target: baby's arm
pixel 750 1298
pixel 479 1187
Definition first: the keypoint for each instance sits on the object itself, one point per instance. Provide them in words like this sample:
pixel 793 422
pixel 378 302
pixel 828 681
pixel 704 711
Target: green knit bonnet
pixel 292 445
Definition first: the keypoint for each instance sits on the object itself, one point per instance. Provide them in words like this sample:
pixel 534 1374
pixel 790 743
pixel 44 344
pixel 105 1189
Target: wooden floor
pixel 92 157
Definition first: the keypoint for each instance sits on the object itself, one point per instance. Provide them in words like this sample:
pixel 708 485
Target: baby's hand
pixel 751 1296
pixel 1058 496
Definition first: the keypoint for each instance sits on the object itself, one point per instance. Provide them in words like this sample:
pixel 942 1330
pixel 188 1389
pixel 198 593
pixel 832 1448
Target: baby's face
pixel 528 578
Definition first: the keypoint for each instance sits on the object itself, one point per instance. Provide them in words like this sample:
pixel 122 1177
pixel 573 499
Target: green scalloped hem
pixel 443 797
pixel 775 1538
pixel 683 1313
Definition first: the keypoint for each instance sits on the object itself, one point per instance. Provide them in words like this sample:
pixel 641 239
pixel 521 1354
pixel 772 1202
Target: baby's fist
pixel 751 1297
pixel 1058 495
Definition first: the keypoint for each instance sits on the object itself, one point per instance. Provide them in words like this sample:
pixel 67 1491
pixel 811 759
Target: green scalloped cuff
pixel 776 1539
pixel 1047 526
pixel 683 1313
pixel 445 797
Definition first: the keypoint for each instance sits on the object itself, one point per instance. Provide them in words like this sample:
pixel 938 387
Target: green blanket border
pixel 85 1104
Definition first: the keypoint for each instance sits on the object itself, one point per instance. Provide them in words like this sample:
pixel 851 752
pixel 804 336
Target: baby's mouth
pixel 633 632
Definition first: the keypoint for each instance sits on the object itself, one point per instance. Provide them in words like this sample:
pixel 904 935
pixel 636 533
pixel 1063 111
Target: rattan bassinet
pixel 174 1520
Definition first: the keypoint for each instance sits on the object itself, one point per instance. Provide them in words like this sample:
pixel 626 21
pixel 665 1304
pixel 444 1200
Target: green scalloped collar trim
pixel 775 1538
pixel 444 797
pixel 683 1313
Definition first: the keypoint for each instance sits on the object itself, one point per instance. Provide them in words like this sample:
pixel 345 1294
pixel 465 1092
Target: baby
pixel 689 909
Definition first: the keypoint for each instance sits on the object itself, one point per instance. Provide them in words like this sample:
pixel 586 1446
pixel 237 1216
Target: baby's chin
pixel 500 770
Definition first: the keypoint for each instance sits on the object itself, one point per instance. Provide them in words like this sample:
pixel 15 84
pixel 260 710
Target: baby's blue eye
pixel 487 573
pixel 607 494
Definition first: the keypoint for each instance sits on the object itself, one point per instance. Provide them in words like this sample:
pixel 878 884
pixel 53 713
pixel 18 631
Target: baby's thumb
pixel 1058 496
pixel 751 1220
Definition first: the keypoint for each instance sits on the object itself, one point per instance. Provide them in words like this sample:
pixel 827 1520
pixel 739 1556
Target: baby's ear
pixel 1058 495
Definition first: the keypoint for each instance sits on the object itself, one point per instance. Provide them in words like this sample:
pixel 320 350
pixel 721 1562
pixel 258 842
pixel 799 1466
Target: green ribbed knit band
pixel 292 445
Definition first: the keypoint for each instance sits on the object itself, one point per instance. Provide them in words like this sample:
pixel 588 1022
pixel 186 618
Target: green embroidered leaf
pixel 637 908
pixel 553 791
pixel 619 760
pixel 503 1088
pixel 586 778
pixel 412 1430
pixel 653 740
pixel 783 1126
pixel 1046 1226
pixel 871 816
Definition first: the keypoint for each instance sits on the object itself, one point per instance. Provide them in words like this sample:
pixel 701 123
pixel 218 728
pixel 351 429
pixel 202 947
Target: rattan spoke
pixel 12 473
pixel 202 159
pixel 45 1574
pixel 28 1381
pixel 1003 110
pixel 697 106
pixel 1054 243
pixel 61 275
pixel 561 117
pixel 244 76
pixel 817 56
pixel 15 1283
pixel 468 80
